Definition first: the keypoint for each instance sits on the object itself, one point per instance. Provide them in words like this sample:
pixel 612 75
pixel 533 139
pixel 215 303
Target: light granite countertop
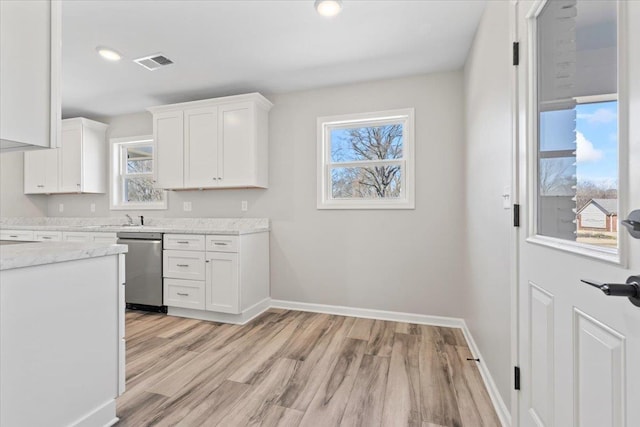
pixel 226 226
pixel 28 254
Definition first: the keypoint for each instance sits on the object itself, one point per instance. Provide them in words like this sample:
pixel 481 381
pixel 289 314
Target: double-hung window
pixel 132 183
pixel 366 161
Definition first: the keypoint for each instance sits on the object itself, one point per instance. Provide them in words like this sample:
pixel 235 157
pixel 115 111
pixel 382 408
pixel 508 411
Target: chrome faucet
pixel 129 219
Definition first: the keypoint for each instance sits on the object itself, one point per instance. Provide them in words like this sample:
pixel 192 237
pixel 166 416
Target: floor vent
pixel 153 62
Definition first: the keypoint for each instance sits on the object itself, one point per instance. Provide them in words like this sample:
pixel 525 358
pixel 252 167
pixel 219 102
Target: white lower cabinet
pixel 20 235
pixel 88 236
pixel 228 281
pixel 184 293
pixel 222 285
pixel 183 264
pixel 47 236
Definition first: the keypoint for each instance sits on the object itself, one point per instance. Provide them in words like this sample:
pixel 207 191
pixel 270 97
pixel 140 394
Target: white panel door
pixel 70 159
pixel 201 147
pixel 168 149
pixel 237 145
pixel 222 283
pixel 578 348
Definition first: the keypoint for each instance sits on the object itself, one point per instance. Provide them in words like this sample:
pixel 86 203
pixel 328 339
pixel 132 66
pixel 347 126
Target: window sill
pixel 603 254
pixel 357 204
pixel 158 207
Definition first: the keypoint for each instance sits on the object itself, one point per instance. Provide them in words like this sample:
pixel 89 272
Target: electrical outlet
pixel 61 207
pixel 245 206
pixel 93 207
pixel 186 206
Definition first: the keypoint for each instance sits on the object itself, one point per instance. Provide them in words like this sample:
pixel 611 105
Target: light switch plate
pixel 245 206
pixel 93 207
pixel 61 207
pixel 186 206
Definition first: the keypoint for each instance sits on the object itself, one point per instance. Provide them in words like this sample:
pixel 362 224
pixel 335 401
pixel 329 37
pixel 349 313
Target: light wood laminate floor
pixel 289 368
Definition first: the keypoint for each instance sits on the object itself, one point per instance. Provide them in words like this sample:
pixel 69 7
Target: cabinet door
pixel 34 172
pixel 51 171
pixel 201 147
pixel 168 140
pixel 222 285
pixel 236 147
pixel 41 171
pixel 70 159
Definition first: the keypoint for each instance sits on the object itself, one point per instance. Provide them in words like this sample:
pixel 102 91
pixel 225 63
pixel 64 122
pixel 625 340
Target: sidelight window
pixel 577 122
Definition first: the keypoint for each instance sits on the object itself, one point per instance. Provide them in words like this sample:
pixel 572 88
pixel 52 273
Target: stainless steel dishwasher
pixel 143 283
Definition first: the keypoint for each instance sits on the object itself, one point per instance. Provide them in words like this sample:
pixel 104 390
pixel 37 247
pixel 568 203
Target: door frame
pixel 523 168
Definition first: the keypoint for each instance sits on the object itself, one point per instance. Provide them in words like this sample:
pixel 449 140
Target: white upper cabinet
pixel 200 147
pixel 41 171
pixel 83 157
pixel 215 143
pixel 168 141
pixel 29 74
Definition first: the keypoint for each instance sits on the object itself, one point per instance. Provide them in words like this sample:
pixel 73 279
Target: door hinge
pixel 516 215
pixel 516 377
pixel 516 53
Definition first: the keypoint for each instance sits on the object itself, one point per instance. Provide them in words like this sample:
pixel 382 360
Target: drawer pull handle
pixel 183 242
pixel 46 237
pixel 182 265
pixel 220 244
pixel 14 236
pixel 40 186
pixel 183 294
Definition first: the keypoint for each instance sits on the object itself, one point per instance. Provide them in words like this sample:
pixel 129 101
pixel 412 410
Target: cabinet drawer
pixel 184 293
pixel 183 265
pixel 219 243
pixel 48 236
pixel 77 236
pixel 184 242
pixel 25 235
pixel 103 237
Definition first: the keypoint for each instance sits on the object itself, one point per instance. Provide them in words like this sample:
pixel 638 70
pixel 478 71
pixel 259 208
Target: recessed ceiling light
pixel 108 54
pixel 328 7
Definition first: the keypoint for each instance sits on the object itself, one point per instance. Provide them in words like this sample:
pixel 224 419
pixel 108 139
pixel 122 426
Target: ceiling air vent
pixel 153 62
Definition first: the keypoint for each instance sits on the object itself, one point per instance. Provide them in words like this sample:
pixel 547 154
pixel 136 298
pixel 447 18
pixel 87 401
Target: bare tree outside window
pixel 379 143
pixel 133 185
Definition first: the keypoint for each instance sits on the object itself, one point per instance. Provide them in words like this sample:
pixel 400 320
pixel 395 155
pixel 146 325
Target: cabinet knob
pixel 220 178
pixel 214 178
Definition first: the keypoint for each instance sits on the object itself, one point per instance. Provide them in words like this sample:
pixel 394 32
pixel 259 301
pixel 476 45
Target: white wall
pixel 488 170
pixel 12 200
pixel 392 260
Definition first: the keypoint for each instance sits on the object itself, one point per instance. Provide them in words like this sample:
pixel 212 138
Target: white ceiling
pixel 237 46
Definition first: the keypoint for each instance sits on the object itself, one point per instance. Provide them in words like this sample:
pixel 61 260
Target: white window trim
pixel 114 177
pixel 324 201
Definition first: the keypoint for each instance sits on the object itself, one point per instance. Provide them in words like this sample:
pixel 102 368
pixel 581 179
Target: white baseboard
pixel 237 319
pixel 498 403
pixel 395 316
pixel 451 322
pixel 104 415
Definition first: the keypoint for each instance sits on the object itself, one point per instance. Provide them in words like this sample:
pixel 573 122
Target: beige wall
pixel 12 200
pixel 405 260
pixel 488 170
